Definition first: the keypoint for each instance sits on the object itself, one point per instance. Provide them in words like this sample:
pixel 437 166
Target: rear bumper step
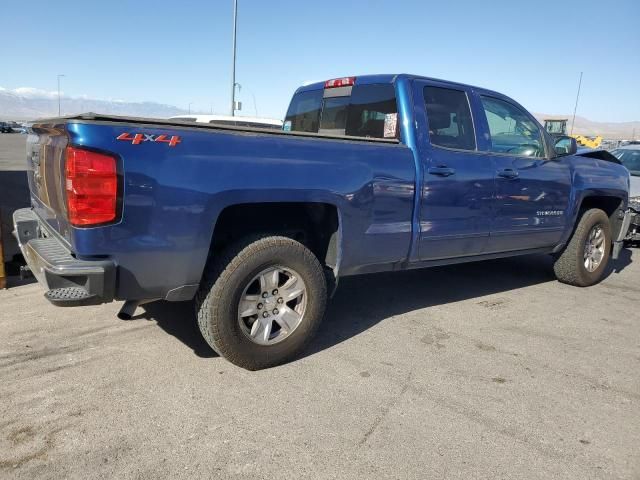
pixel 71 296
pixel 70 281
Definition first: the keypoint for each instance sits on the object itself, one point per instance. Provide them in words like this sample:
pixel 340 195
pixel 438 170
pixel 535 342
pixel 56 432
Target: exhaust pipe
pixel 129 308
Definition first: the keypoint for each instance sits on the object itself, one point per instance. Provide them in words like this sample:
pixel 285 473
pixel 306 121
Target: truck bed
pixel 143 121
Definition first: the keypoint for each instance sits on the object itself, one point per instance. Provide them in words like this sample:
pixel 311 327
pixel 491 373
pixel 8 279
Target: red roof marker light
pixel 340 82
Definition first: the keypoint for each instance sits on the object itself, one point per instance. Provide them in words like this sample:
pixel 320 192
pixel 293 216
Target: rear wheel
pixel 262 301
pixel 584 260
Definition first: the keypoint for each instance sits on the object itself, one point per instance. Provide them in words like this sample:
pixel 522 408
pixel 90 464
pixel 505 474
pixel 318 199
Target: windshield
pixel 630 158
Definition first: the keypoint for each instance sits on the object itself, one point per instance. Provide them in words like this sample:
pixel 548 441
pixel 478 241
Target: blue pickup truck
pixel 371 173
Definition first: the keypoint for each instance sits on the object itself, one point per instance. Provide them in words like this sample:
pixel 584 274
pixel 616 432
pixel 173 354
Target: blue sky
pixel 180 52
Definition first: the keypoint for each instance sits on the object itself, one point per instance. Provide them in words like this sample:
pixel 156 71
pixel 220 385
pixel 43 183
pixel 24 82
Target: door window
pixel 512 131
pixel 449 117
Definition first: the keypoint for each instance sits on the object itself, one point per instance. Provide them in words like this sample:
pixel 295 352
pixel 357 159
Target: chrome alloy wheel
pixel 272 305
pixel 594 248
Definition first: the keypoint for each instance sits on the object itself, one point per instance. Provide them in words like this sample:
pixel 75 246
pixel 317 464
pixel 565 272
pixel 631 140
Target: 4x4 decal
pixel 138 138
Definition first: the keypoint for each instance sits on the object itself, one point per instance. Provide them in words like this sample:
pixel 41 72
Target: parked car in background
pixel 630 157
pixel 5 127
pixel 235 121
pixel 22 128
pixel 370 174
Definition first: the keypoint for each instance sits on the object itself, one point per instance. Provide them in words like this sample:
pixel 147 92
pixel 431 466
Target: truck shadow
pixel 623 261
pixel 362 302
pixel 178 319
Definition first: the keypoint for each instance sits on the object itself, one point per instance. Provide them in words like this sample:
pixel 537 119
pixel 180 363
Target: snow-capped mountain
pixel 27 103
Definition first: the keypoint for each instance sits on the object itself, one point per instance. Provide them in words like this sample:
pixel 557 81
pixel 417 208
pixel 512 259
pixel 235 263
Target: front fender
pixel 594 179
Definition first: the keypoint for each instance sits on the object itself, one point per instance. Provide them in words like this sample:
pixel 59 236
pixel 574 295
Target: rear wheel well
pixel 312 224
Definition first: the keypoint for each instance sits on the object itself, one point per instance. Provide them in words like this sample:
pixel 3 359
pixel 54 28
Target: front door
pixel 458 180
pixel 532 189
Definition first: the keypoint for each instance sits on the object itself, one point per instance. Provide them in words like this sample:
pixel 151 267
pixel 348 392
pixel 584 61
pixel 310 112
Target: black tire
pixel 569 265
pixel 223 284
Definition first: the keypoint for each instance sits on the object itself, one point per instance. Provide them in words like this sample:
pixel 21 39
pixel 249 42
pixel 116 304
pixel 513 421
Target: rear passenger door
pixel 458 179
pixel 532 188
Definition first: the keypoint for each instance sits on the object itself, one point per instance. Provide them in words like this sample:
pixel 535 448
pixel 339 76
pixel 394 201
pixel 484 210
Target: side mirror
pixel 565 145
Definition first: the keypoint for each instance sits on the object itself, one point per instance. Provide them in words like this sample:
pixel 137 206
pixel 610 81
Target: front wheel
pixel 584 260
pixel 262 301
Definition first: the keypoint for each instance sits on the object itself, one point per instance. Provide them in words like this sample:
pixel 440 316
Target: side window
pixel 512 130
pixel 373 112
pixel 304 112
pixel 449 118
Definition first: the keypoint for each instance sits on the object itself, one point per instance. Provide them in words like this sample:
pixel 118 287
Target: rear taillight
pixel 91 184
pixel 340 82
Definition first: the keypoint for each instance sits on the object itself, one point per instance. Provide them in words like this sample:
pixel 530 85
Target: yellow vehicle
pixel 559 127
pixel 591 142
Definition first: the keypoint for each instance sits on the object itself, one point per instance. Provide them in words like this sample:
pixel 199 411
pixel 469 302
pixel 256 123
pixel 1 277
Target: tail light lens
pixel 91 184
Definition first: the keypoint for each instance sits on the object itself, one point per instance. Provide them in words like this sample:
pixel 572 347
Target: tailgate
pixel 45 169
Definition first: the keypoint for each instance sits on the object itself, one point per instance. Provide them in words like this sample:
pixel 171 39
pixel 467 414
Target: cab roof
pixel 392 78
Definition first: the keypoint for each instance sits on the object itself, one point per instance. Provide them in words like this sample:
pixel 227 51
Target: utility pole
pixel 576 107
pixel 190 103
pixel 233 68
pixel 60 75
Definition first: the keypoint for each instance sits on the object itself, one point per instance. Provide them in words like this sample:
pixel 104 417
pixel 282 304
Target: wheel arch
pixel 610 204
pixel 317 225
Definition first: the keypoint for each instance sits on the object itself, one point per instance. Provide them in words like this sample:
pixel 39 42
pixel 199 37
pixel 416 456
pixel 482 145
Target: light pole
pixel 576 107
pixel 233 67
pixel 60 75
pixel 190 103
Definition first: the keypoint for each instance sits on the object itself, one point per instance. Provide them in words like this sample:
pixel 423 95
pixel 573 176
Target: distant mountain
pixel 28 104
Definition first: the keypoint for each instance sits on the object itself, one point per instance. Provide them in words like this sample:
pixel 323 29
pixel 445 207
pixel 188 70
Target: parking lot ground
pixel 485 370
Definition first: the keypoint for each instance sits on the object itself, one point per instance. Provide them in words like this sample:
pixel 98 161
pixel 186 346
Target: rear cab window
pixel 368 110
pixel 304 112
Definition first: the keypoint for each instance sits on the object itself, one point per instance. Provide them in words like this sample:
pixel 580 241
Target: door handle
pixel 508 173
pixel 441 171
